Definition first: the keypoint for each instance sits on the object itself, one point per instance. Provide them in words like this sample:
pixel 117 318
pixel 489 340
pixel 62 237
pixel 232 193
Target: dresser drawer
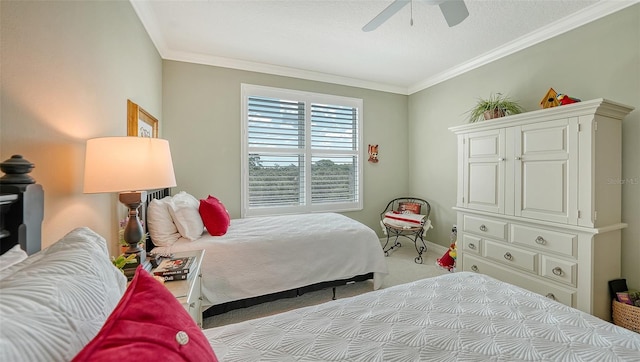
pixel 471 244
pixel 542 239
pixel 485 227
pixel 560 270
pixel 510 255
pixel 565 296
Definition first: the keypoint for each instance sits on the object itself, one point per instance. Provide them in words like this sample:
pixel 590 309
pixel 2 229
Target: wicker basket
pixel 626 315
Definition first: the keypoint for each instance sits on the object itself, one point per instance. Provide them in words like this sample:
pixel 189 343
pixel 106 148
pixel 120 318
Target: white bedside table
pixel 188 291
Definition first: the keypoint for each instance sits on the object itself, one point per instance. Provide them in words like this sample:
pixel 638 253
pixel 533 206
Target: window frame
pixel 250 90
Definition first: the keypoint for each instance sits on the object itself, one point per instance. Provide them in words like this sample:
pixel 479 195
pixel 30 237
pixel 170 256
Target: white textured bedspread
pixel 264 255
pixel 461 316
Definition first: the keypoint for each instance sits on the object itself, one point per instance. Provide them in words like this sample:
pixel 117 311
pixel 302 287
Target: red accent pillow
pixel 148 324
pixel 214 216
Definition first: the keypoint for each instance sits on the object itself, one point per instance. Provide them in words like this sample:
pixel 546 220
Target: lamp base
pixel 140 253
pixel 133 231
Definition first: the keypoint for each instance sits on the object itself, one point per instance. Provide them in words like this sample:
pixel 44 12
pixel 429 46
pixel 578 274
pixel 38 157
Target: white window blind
pixel 301 152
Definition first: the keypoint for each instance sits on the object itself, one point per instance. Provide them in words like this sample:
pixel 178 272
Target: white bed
pixel 461 316
pixel 264 255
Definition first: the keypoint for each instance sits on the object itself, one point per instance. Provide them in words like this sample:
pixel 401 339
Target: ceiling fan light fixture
pixel 454 12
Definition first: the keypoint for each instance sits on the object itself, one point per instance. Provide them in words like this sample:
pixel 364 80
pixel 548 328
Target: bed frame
pixel 21 207
pixel 5 204
pixel 248 302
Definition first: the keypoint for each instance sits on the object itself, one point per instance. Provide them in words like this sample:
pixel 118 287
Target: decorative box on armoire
pixel 23 213
pixel 539 201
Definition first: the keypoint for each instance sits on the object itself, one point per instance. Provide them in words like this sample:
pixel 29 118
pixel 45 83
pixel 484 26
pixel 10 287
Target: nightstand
pixel 188 292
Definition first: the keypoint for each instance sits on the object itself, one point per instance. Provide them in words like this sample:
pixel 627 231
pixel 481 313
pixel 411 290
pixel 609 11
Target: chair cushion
pixel 401 220
pixel 407 207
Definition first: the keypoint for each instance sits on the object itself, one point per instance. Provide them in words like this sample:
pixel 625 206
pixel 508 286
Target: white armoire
pixel 539 201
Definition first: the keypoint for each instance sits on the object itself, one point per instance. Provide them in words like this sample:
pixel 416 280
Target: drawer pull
pixel 540 240
pixel 472 246
pixel 551 296
pixel 192 305
pixel 557 271
pixel 508 256
pixel 475 268
pixel 483 228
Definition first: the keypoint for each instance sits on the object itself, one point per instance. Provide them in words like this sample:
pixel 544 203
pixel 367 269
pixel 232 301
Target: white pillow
pixel 12 256
pixel 184 211
pixel 55 301
pixel 160 224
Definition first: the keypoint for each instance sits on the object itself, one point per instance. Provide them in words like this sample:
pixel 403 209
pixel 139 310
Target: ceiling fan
pixel 454 11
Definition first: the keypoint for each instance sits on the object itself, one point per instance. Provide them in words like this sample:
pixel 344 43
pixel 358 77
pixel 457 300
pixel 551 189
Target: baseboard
pixel 436 248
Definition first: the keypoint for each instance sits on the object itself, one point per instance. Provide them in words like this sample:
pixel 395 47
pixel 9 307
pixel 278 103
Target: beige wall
pixel 599 60
pixel 201 108
pixel 68 69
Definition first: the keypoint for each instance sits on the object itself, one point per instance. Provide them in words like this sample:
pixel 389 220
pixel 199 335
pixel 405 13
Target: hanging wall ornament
pixel 373 153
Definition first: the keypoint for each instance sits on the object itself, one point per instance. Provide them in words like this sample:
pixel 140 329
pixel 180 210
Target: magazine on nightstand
pixel 168 278
pixel 177 267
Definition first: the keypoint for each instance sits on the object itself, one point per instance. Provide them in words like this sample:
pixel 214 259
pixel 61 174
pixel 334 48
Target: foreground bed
pixel 460 316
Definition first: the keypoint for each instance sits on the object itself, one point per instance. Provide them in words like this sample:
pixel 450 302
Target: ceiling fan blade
pixel 454 11
pixel 385 15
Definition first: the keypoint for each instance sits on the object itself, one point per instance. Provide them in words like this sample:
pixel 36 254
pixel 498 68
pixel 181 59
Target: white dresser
pixel 539 201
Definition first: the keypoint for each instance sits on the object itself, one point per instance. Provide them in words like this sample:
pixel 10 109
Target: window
pixel 301 152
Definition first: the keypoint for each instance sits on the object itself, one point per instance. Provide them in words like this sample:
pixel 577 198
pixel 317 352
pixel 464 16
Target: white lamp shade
pixel 117 164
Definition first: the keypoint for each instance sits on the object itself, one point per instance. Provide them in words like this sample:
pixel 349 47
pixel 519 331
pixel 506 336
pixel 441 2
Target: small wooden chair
pixel 413 230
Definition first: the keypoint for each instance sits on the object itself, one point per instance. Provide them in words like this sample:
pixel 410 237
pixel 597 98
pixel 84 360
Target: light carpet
pixel 402 269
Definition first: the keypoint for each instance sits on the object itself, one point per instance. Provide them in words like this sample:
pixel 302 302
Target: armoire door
pixel 545 168
pixel 484 171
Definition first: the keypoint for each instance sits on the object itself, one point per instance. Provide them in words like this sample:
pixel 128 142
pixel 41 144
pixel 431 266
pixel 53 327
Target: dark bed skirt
pixel 244 303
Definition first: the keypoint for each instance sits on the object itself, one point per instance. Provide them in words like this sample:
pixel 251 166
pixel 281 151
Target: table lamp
pixel 129 166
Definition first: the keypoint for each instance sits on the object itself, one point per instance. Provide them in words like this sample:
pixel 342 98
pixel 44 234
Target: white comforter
pixel 264 255
pixel 460 316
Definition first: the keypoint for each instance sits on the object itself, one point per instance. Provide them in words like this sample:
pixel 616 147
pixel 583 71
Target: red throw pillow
pixel 148 324
pixel 214 216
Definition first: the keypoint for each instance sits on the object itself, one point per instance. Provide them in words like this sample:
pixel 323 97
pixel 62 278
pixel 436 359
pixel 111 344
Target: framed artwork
pixel 140 122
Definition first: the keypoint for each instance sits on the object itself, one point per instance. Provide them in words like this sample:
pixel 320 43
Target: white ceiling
pixel 323 39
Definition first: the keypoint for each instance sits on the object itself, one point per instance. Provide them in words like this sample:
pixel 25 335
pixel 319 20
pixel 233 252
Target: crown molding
pixel 585 16
pixel 145 15
pixel 281 71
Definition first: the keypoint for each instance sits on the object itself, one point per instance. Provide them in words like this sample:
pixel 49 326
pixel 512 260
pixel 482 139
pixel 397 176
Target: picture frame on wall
pixel 140 123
